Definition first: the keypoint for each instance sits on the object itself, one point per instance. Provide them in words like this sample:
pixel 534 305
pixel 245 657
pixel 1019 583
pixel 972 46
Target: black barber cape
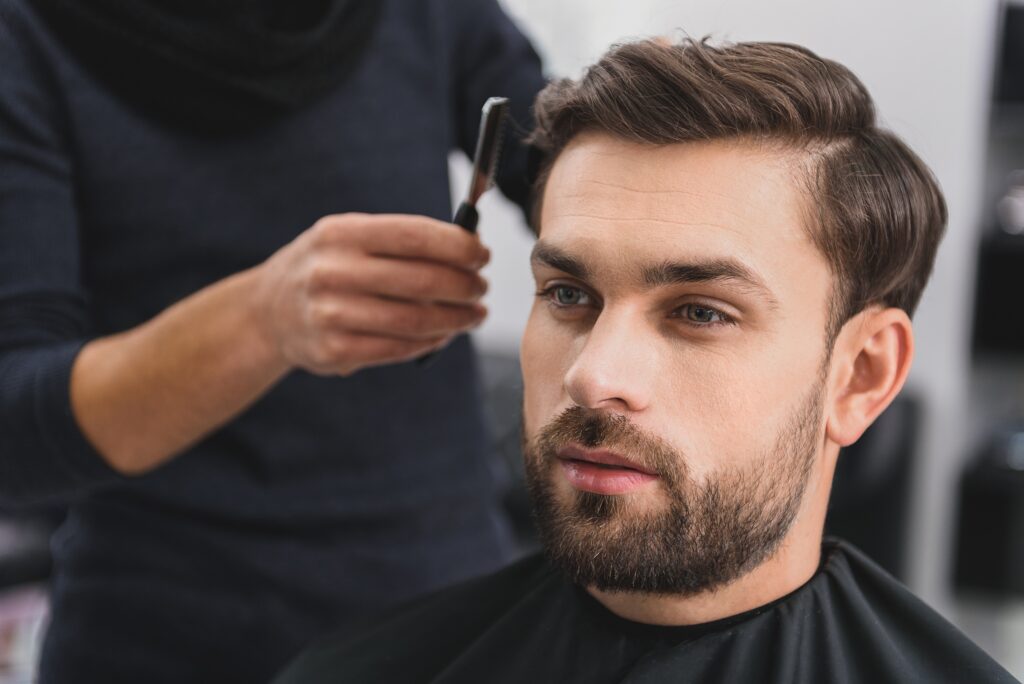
pixel 852 622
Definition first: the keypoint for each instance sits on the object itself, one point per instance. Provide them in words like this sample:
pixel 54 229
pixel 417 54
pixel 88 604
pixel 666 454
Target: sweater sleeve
pixel 493 58
pixel 43 310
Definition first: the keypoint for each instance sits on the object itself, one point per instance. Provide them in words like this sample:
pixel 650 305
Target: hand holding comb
pixel 485 165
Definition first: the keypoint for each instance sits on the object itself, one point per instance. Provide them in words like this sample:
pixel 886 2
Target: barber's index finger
pixel 421 237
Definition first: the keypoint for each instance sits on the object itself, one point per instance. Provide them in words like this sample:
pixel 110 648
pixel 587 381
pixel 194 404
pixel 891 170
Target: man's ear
pixel 870 362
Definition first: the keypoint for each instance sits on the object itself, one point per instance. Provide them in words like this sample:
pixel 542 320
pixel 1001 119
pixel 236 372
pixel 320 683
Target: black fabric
pixel 213 64
pixel 850 623
pixel 330 496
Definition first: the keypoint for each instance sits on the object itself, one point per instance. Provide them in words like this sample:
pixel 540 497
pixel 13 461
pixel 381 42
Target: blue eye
pixel 699 315
pixel 568 296
pixel 565 296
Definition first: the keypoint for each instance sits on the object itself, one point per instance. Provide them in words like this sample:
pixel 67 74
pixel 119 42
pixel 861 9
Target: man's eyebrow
pixel 671 273
pixel 664 274
pixel 552 256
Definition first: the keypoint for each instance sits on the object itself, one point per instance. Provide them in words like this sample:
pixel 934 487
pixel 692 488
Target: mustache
pixel 612 431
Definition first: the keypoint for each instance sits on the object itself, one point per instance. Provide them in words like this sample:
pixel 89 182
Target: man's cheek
pixel 541 406
pixel 716 424
pixel 533 376
pixel 544 366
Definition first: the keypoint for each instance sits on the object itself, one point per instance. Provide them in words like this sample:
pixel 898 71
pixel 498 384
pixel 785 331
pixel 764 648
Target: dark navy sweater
pixel 330 496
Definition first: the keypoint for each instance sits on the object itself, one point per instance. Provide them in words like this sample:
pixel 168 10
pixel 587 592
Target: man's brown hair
pixel 875 209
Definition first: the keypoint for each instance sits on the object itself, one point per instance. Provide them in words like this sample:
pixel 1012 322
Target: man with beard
pixel 729 254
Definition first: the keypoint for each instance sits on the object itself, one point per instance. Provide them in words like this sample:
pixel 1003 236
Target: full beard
pixel 700 536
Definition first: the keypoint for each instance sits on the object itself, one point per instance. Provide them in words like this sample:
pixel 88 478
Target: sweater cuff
pixel 68 448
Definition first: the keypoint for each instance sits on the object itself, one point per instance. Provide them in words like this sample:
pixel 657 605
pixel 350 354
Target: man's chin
pixel 588 508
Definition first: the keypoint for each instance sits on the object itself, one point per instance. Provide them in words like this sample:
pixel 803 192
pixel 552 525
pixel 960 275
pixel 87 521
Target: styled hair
pixel 874 210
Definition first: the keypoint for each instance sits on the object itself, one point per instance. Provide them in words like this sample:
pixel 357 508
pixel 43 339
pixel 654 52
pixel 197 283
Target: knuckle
pixel 324 229
pixel 321 315
pixel 334 273
pixel 335 228
pixel 321 275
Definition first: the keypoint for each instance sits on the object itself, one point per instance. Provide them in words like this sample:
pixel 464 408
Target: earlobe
pixel 871 361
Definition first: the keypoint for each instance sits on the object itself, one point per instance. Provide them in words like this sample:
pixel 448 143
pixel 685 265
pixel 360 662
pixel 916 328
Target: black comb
pixel 485 165
pixel 485 160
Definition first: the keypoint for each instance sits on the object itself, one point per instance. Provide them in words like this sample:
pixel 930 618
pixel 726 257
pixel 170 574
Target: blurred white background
pixel 928 64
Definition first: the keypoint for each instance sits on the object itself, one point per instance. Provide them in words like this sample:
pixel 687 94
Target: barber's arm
pixel 353 291
pixel 79 409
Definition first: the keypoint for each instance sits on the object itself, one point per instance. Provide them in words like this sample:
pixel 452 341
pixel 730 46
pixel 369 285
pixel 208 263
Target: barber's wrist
pixel 256 333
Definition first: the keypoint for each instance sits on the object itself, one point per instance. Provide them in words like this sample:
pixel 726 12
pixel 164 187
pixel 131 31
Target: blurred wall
pixel 928 64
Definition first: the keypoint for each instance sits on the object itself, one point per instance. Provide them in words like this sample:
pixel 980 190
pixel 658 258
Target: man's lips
pixel 601 471
pixel 573 452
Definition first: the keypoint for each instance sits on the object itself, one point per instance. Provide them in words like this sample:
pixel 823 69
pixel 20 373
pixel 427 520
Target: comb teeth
pixel 492 164
pixel 488 147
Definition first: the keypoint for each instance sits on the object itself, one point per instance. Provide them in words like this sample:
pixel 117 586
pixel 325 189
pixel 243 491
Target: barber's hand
pixel 359 290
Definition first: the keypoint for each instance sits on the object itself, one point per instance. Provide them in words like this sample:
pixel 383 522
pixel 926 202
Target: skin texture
pixel 715 369
pixel 352 291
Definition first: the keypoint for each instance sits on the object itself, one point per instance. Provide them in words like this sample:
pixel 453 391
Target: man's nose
pixel 616 367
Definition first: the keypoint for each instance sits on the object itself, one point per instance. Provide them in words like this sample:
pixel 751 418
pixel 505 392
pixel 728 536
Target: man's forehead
pixel 725 207
pixel 719 184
